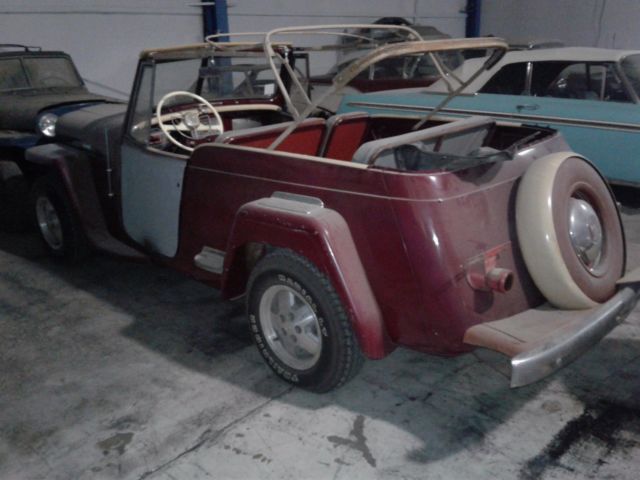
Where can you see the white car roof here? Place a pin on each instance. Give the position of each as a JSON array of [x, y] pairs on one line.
[[567, 53], [537, 55]]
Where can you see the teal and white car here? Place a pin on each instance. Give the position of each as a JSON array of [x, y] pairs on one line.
[[591, 95]]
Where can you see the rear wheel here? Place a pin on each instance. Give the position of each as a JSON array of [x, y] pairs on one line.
[[570, 231], [56, 221], [299, 323]]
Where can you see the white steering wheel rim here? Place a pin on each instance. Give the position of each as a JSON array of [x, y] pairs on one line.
[[165, 130]]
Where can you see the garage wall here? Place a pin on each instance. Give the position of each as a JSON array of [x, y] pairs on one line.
[[259, 15], [602, 23], [105, 37]]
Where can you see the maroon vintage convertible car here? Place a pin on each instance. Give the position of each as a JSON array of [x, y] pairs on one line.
[[348, 235]]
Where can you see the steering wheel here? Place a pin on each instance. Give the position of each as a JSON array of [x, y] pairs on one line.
[[188, 122]]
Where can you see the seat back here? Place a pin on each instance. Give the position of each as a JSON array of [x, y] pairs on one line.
[[344, 135], [305, 139], [459, 137]]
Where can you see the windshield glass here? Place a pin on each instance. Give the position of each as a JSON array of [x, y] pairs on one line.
[[631, 69], [51, 72], [216, 78], [12, 75], [243, 77], [404, 67], [37, 72]]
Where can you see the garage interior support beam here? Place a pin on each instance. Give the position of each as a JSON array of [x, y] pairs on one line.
[[472, 28], [215, 18]]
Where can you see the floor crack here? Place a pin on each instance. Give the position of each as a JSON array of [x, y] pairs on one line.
[[209, 436]]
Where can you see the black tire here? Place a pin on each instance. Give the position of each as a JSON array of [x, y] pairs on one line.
[[14, 199], [283, 272], [62, 234]]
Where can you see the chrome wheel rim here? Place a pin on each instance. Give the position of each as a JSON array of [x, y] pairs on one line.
[[585, 232], [49, 222], [290, 327]]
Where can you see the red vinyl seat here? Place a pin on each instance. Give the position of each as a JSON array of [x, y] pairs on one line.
[[345, 133], [305, 139]]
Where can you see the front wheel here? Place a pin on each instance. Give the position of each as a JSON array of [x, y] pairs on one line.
[[299, 323], [56, 220]]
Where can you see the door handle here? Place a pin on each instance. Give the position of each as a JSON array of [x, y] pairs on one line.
[[530, 106]]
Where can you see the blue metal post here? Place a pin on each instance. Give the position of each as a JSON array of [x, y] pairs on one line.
[[215, 18], [473, 18]]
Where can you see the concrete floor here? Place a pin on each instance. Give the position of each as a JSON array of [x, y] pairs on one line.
[[121, 370]]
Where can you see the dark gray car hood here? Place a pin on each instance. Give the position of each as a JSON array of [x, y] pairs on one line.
[[89, 124], [18, 111]]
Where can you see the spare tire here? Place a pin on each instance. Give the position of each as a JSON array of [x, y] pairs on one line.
[[569, 231]]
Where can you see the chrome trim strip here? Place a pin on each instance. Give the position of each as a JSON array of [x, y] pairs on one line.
[[296, 197], [573, 122], [108, 158], [528, 77], [293, 204], [531, 366]]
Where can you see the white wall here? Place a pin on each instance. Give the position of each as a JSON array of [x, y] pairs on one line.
[[262, 15], [602, 23], [104, 37]]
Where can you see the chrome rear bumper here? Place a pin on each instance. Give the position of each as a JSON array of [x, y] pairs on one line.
[[532, 365]]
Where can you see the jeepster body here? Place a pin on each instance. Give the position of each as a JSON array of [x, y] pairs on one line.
[[411, 223]]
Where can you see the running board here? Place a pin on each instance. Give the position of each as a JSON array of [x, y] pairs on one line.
[[210, 259]]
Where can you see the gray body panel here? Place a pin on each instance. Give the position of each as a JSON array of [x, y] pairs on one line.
[[151, 193], [88, 125]]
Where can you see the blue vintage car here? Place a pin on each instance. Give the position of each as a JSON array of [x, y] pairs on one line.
[[590, 94]]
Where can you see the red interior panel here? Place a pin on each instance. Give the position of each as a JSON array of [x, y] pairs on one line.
[[305, 139], [345, 136]]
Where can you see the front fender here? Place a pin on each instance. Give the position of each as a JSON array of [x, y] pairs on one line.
[[303, 225], [73, 168]]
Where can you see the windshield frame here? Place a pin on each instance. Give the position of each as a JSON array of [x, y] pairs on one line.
[[277, 51], [143, 104]]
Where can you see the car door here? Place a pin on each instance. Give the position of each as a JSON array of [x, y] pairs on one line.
[[151, 179], [151, 185], [586, 101]]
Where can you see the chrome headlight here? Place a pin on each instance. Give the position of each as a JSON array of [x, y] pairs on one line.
[[47, 124]]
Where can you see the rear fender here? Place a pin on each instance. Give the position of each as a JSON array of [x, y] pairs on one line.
[[303, 225]]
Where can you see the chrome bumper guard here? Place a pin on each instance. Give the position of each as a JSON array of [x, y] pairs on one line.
[[530, 366]]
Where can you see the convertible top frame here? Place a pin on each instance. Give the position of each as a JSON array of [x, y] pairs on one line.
[[277, 51], [418, 47]]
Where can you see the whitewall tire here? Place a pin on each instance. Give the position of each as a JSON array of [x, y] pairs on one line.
[[569, 231]]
